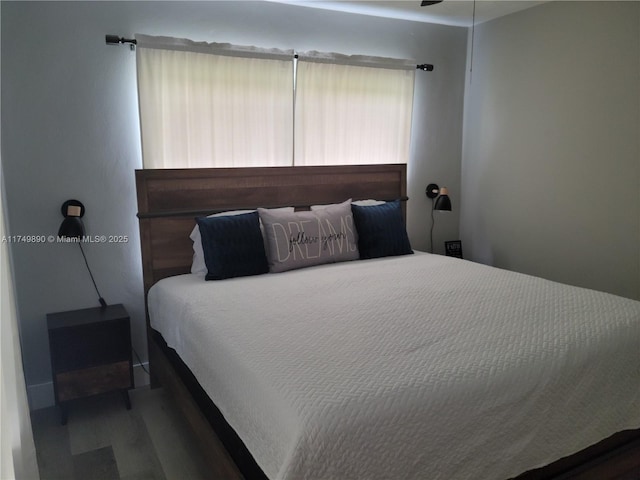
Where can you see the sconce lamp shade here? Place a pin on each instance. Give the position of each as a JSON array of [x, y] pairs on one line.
[[443, 202], [439, 201], [72, 225], [441, 196]]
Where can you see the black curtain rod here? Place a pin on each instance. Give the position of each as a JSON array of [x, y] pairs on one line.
[[427, 67], [115, 40]]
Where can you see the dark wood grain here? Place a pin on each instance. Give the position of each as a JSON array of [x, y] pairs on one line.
[[609, 459], [92, 381]]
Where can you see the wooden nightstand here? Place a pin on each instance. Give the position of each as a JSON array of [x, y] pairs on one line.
[[90, 354]]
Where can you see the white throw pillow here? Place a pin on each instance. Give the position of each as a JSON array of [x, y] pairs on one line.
[[360, 203]]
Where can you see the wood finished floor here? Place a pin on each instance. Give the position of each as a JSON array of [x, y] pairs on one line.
[[104, 441]]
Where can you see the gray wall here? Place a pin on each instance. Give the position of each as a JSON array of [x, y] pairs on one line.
[[551, 156], [70, 130]]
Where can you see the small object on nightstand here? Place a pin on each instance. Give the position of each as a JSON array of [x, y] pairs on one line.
[[453, 248], [90, 354]]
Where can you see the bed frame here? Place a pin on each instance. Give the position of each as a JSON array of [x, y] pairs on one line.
[[168, 202]]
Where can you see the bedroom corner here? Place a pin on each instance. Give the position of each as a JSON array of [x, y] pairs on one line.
[[550, 169]]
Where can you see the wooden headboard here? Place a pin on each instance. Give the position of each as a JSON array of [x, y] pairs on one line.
[[169, 200]]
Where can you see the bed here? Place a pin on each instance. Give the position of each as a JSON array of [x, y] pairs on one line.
[[408, 366]]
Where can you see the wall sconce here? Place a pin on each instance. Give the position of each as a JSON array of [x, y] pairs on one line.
[[439, 201], [72, 230], [72, 226]]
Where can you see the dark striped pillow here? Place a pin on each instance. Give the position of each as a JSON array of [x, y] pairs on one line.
[[233, 246], [381, 230]]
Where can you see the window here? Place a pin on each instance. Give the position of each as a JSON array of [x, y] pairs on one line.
[[352, 114], [207, 105], [218, 105]]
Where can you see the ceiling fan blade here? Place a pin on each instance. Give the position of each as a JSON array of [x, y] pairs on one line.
[[426, 3]]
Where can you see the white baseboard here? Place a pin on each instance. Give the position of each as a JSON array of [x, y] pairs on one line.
[[41, 395], [140, 375]]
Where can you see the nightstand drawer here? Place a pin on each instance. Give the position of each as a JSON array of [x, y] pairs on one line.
[[92, 381]]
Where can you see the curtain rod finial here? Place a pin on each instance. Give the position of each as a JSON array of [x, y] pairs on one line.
[[115, 40]]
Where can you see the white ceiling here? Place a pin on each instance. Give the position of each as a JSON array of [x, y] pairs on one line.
[[449, 12]]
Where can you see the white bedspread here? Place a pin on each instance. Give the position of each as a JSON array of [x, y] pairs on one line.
[[419, 366]]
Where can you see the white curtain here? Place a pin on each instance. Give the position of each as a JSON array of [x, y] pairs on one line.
[[352, 110], [214, 105]]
